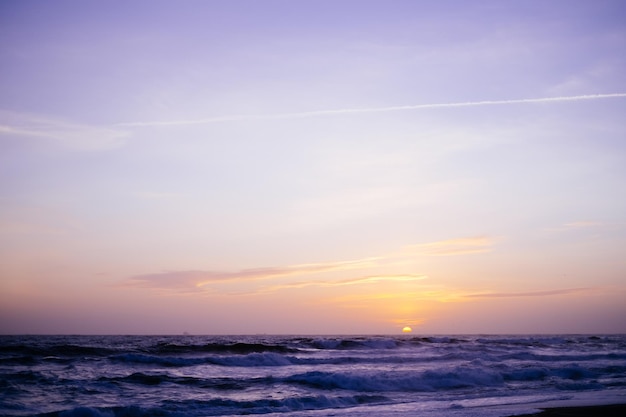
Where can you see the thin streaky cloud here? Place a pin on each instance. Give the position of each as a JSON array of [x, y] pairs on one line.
[[351, 281], [460, 246], [69, 134], [547, 293], [199, 278], [581, 224], [576, 225], [292, 270], [318, 113]]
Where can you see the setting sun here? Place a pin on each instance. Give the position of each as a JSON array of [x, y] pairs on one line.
[[406, 329]]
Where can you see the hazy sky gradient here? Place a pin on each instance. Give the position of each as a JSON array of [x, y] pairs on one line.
[[312, 166]]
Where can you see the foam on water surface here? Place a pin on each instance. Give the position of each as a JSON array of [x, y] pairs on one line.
[[307, 376]]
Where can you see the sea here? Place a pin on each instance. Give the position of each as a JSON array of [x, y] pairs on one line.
[[288, 376]]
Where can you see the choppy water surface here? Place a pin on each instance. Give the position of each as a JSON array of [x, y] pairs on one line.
[[305, 376]]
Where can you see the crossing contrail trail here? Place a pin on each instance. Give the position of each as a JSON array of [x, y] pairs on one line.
[[317, 113]]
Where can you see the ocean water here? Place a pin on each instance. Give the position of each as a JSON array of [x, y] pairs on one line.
[[306, 376]]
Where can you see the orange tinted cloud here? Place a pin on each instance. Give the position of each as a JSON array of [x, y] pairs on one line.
[[460, 246], [351, 281], [199, 280]]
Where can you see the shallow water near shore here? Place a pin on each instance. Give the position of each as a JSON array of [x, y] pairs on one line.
[[307, 375]]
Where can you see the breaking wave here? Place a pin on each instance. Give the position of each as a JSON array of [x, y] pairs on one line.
[[202, 376]]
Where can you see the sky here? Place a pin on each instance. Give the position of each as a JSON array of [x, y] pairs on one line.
[[312, 167]]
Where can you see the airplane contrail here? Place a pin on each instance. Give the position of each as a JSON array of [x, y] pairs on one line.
[[315, 113]]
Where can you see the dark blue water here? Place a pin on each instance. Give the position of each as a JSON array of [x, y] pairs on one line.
[[305, 376]]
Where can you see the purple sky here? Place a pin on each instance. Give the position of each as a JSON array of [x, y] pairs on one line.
[[312, 166]]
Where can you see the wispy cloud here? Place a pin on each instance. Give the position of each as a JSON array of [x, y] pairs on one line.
[[575, 225], [408, 321], [91, 137], [461, 246], [352, 281], [545, 293], [336, 112], [69, 134], [174, 280], [581, 224], [198, 279]]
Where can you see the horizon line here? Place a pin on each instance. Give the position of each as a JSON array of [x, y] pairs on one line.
[[374, 334], [316, 113]]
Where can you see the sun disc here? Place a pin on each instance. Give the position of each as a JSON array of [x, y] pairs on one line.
[[406, 329]]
